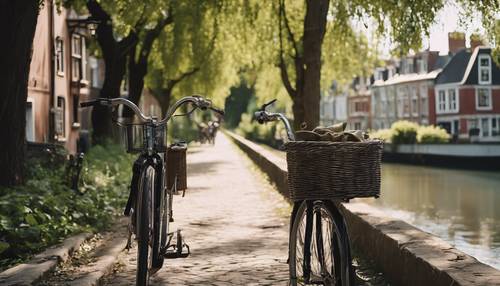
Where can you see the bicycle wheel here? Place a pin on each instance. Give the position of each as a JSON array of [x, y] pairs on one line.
[[319, 254], [161, 222], [144, 226]]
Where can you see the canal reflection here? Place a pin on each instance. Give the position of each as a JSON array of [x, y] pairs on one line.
[[462, 207]]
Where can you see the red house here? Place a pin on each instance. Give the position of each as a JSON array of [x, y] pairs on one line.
[[467, 96]]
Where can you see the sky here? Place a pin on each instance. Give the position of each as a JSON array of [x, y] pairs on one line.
[[447, 20]]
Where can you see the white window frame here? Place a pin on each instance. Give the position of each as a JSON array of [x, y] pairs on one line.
[[490, 106], [76, 57], [480, 68], [447, 100]]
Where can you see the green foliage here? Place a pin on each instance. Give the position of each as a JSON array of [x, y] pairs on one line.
[[404, 132], [45, 210], [432, 134], [236, 104], [201, 52]]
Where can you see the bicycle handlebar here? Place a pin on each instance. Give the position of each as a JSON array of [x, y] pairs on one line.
[[197, 100], [262, 116]]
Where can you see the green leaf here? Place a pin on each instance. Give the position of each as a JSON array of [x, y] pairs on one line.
[[31, 220], [3, 246]]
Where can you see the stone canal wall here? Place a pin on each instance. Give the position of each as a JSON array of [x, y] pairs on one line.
[[406, 254]]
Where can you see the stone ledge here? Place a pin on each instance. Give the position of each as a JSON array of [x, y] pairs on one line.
[[406, 254], [41, 264]]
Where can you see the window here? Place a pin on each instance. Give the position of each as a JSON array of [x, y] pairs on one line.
[[59, 121], [495, 126], [485, 127], [452, 102], [483, 98], [448, 101], [76, 57], [484, 66], [30, 122], [357, 125], [442, 101], [59, 56]]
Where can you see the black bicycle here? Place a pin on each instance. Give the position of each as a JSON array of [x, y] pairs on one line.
[[149, 205], [319, 250]]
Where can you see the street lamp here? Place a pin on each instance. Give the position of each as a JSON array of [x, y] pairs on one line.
[[85, 23]]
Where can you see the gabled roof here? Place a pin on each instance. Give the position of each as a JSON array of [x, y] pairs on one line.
[[455, 69], [463, 68]]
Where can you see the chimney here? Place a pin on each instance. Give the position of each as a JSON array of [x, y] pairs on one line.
[[475, 41], [456, 42]]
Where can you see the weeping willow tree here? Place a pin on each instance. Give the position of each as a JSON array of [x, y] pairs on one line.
[[200, 53], [308, 43]]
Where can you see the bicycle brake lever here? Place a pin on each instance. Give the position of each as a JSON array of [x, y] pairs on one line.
[[265, 105]]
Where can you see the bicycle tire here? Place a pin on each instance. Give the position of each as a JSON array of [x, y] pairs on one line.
[[144, 215], [161, 223], [328, 243]]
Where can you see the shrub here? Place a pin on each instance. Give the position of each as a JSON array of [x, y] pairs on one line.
[[382, 134], [432, 134], [45, 210], [404, 132]]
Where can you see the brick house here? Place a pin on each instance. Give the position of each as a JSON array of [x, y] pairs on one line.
[[467, 96], [359, 104], [58, 79]]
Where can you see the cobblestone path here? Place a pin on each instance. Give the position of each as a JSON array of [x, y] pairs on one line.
[[235, 225]]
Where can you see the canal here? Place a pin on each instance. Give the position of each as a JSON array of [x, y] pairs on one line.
[[462, 207]]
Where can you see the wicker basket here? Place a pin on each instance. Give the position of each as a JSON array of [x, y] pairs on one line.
[[333, 170], [176, 166]]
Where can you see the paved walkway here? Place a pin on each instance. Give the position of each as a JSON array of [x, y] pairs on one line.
[[234, 223]]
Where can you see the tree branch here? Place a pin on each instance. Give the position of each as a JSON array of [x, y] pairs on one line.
[[288, 29], [172, 82], [282, 65]]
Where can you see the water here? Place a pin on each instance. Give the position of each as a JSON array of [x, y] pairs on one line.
[[461, 207]]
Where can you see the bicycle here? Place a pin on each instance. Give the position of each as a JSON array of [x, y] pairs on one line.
[[149, 205], [319, 250]]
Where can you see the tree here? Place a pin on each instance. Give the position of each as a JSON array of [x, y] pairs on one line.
[[304, 28], [17, 18], [198, 53], [125, 33]]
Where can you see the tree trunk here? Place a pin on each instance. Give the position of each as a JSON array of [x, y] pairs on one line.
[[310, 93], [137, 71], [18, 24], [115, 60]]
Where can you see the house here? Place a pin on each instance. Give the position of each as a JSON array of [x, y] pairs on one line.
[[467, 96], [58, 78], [359, 104], [402, 92], [333, 106]]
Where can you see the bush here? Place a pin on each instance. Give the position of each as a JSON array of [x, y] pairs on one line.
[[45, 210], [432, 134], [382, 134], [404, 132]]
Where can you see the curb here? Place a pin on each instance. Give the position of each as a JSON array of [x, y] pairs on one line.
[[406, 254], [37, 268], [107, 256]]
